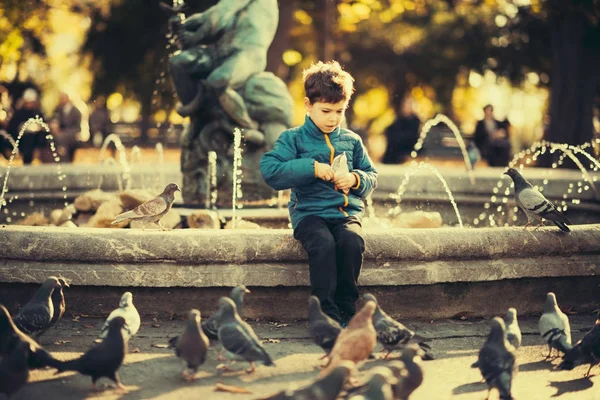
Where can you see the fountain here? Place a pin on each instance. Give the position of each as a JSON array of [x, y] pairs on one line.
[[116, 140], [237, 175]]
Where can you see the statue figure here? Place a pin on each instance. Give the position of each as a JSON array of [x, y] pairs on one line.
[[220, 79]]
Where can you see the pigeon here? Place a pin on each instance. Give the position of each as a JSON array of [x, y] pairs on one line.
[[58, 301], [497, 360], [408, 371], [191, 346], [11, 338], [36, 315], [13, 370], [554, 326], [326, 388], [323, 329], [587, 350], [513, 332], [128, 312], [377, 387], [534, 204], [152, 210], [392, 334], [357, 341], [210, 325], [104, 359], [238, 338]]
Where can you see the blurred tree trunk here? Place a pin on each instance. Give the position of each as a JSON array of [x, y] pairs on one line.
[[325, 18], [574, 80], [281, 42]]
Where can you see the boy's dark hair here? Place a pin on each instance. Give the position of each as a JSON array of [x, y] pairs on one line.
[[327, 83]]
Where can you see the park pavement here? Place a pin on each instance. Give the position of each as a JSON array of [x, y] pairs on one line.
[[151, 371]]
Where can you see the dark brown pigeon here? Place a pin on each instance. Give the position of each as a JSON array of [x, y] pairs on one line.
[[586, 351], [326, 388], [13, 370], [392, 334], [323, 329], [11, 337], [191, 346], [408, 371], [35, 316], [152, 210], [104, 359], [497, 360]]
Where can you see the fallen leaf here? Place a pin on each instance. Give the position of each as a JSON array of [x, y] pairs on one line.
[[136, 350], [156, 325], [76, 318], [87, 326], [221, 387], [59, 342], [271, 341], [281, 325], [160, 346]]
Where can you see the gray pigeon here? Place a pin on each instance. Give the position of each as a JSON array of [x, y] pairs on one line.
[[377, 387], [497, 360], [152, 210], [408, 371], [554, 327], [587, 350], [513, 332], [210, 325], [323, 329], [392, 334], [238, 338], [534, 204], [11, 337], [192, 345], [13, 370], [326, 388], [35, 316], [129, 313]]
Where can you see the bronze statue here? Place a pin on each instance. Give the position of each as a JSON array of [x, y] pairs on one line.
[[220, 79]]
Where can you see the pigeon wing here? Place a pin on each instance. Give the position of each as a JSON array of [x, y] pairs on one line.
[[33, 318], [391, 333], [152, 207], [324, 333], [237, 341]]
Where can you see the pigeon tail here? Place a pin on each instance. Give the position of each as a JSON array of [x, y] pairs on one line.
[[123, 217], [41, 359], [71, 365], [571, 358], [563, 227], [475, 364], [560, 343]]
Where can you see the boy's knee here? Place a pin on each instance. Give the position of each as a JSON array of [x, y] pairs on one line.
[[351, 240], [321, 241]]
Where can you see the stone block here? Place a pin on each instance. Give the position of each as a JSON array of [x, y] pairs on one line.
[[204, 219], [418, 219]]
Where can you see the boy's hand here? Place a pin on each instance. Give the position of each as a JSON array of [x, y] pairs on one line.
[[324, 171], [345, 181]]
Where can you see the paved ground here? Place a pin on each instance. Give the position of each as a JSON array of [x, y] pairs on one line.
[[153, 372]]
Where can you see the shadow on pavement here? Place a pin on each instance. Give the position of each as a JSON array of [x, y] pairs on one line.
[[470, 388], [536, 366], [575, 385]]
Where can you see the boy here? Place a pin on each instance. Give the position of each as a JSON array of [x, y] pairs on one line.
[[325, 219]]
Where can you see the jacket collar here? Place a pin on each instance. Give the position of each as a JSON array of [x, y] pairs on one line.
[[312, 129]]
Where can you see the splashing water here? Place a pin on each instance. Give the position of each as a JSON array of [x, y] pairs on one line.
[[530, 155], [237, 173], [114, 138], [211, 182], [40, 122], [461, 143], [112, 162], [370, 208], [160, 152], [414, 167]]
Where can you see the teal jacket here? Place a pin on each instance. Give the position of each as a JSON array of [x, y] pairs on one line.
[[291, 165]]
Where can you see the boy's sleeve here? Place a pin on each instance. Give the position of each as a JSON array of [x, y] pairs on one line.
[[363, 169], [280, 167]]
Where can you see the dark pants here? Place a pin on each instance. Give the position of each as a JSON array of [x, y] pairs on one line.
[[335, 254]]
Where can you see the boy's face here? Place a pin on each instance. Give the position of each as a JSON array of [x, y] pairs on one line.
[[326, 116]]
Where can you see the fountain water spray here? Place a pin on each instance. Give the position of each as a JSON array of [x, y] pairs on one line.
[[211, 181], [112, 162], [414, 167], [237, 173], [114, 138], [461, 143], [40, 122]]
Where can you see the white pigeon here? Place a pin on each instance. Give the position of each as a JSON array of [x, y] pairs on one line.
[[513, 332], [534, 204], [554, 326], [128, 311]]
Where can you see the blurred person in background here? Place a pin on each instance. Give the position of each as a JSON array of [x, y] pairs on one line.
[[69, 127], [492, 138], [100, 123], [28, 106], [402, 134]]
